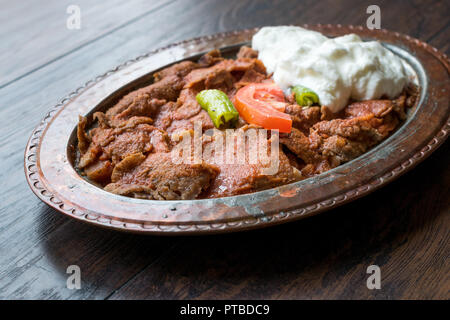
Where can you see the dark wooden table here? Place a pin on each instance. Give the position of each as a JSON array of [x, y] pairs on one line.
[[403, 228]]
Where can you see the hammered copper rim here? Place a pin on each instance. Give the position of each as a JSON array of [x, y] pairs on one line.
[[48, 168]]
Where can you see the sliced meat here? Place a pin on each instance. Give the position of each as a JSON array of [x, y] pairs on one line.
[[126, 166], [163, 118], [102, 120], [118, 143], [83, 139], [210, 58], [243, 174], [133, 122], [378, 108], [221, 80], [224, 74], [331, 143], [381, 108], [179, 69], [250, 76], [340, 150], [300, 144], [90, 156], [160, 141], [135, 135], [99, 171], [295, 161], [160, 179], [217, 75], [203, 119], [326, 114], [168, 88], [141, 106], [358, 129], [247, 52], [186, 113], [130, 149], [187, 105], [303, 118], [244, 64]]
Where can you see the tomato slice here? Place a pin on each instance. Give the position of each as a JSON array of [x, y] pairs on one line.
[[263, 104], [269, 93]]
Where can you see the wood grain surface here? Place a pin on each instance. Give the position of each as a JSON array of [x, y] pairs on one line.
[[403, 228]]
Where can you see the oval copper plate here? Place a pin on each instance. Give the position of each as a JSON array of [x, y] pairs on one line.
[[52, 177]]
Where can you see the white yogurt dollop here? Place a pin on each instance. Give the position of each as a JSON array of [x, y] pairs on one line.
[[335, 69]]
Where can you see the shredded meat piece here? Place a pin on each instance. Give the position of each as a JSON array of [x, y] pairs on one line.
[[187, 105], [250, 76], [126, 165], [99, 171], [340, 150], [211, 58], [223, 74], [326, 144], [307, 150], [83, 139], [117, 143], [303, 118], [186, 112], [247, 52], [113, 144], [160, 141], [241, 175], [217, 75], [359, 128], [168, 88], [295, 161], [179, 70], [379, 108], [141, 106], [90, 156]]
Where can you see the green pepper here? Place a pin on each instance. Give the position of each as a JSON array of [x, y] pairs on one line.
[[305, 96], [220, 109]]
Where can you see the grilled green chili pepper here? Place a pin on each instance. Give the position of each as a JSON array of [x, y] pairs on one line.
[[305, 96], [220, 109]]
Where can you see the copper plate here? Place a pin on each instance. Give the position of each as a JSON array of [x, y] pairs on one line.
[[49, 153]]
